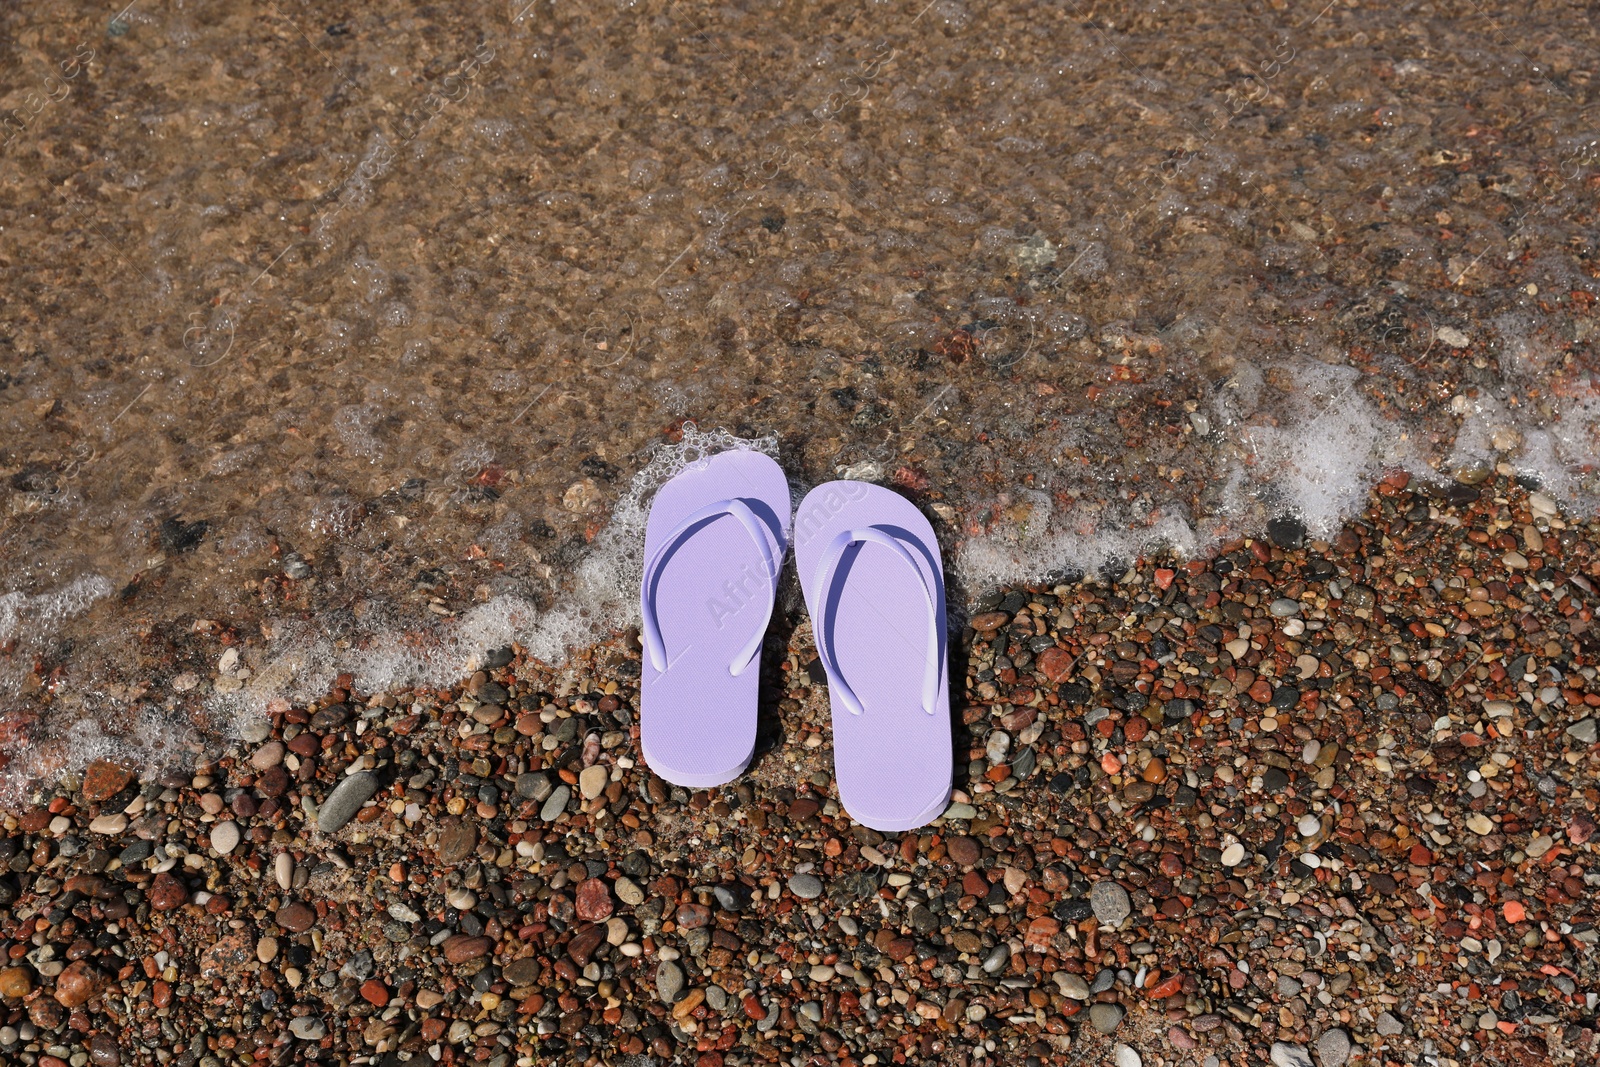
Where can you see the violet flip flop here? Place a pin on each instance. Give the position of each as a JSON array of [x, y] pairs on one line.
[[873, 581], [716, 539]]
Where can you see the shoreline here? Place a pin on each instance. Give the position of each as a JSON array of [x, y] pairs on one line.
[[1365, 797]]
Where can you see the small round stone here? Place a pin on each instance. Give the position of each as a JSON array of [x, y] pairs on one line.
[[307, 1028], [457, 840], [669, 981], [283, 870], [533, 785], [805, 886], [225, 837], [1233, 855], [1072, 986], [1110, 903], [963, 850], [592, 781], [267, 756], [109, 825], [1333, 1048], [104, 1051], [1105, 1017], [555, 804], [16, 982]]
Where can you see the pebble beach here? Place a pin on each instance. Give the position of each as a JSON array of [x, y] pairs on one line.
[[1304, 803], [1241, 356]]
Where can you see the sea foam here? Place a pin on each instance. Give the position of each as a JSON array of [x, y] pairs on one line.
[[385, 650]]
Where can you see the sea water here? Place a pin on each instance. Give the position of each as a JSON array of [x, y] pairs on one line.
[[366, 357]]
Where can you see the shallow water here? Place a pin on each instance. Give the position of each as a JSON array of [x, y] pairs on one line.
[[315, 336]]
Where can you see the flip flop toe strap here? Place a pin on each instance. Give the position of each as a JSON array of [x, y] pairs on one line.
[[827, 575], [654, 644]]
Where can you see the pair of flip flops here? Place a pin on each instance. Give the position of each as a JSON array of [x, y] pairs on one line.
[[872, 577]]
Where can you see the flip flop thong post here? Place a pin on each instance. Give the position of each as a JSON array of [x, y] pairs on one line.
[[874, 584], [715, 541]]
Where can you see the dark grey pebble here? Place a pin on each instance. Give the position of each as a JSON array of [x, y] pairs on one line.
[[556, 804], [345, 800], [1287, 532], [533, 785], [734, 897]]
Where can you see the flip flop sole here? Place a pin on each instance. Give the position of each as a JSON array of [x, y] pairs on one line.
[[872, 576], [711, 594]]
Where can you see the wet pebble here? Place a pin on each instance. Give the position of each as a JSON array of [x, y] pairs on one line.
[[669, 981], [555, 804], [1072, 986], [962, 850], [267, 756], [225, 837], [533, 785], [1105, 1017], [805, 886], [1110, 903], [592, 781], [1287, 1055], [997, 747], [457, 840], [345, 800], [1333, 1048], [283, 870]]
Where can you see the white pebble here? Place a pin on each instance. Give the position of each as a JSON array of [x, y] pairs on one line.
[[225, 837], [283, 870]]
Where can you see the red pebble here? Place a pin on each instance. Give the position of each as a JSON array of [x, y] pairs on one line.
[[1171, 987], [594, 900]]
